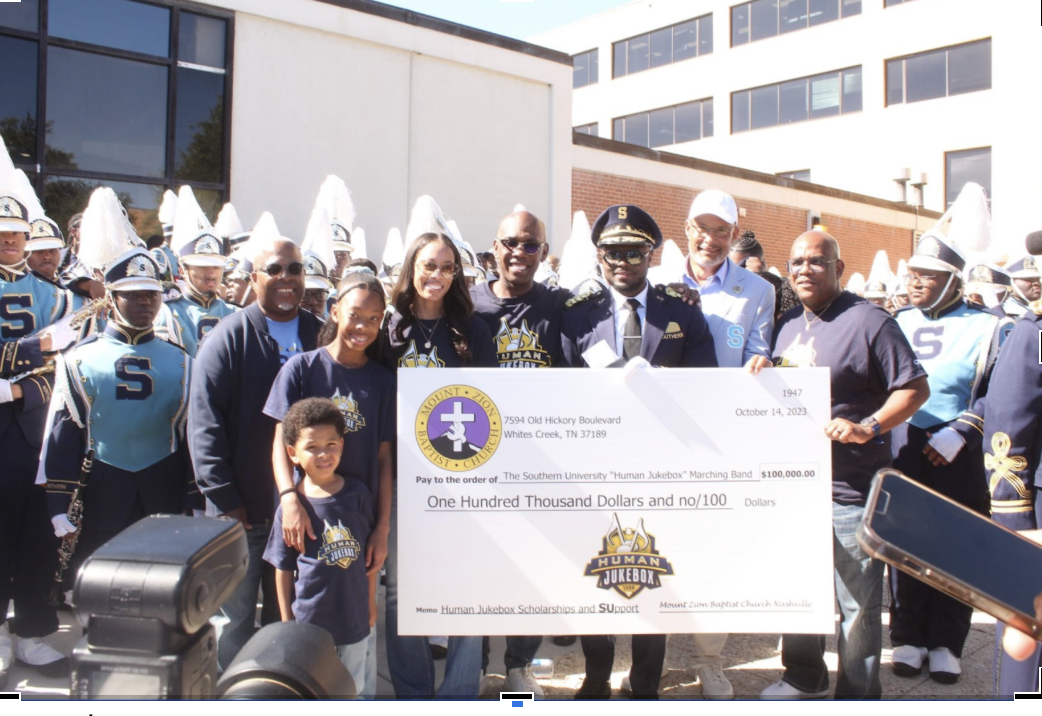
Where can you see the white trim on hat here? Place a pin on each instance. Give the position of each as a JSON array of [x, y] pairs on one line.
[[217, 260], [10, 223], [135, 283], [43, 244]]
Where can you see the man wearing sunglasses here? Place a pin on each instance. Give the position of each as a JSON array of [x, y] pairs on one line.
[[229, 432], [632, 319]]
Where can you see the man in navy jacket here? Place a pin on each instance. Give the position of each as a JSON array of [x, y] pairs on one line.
[[229, 434]]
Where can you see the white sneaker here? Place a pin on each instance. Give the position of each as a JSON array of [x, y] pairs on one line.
[[944, 666], [38, 654], [908, 660], [781, 691], [715, 686], [521, 679]]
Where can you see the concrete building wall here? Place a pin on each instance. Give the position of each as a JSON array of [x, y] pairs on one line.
[[397, 110], [860, 152], [776, 210]]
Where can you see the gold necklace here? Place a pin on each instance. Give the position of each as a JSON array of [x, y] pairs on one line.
[[818, 315], [423, 331]]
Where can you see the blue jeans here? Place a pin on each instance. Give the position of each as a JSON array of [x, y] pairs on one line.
[[238, 615], [360, 661], [409, 657], [859, 591]]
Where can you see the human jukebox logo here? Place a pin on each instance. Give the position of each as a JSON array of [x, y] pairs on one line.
[[628, 561], [458, 428]]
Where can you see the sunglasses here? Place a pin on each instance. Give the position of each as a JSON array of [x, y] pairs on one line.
[[631, 256], [429, 268], [295, 268], [529, 247]]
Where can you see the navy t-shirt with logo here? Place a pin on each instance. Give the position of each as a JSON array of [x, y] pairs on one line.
[[366, 396], [331, 589], [869, 358], [412, 352], [526, 330]]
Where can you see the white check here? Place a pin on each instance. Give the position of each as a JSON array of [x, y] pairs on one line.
[[585, 502]]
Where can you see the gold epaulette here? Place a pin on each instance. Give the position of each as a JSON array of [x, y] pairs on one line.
[[1036, 307], [584, 296]]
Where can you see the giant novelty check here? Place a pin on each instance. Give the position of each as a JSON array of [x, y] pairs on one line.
[[601, 502]]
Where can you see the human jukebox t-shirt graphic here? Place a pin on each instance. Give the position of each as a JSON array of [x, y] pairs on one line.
[[458, 428], [628, 561], [519, 347]]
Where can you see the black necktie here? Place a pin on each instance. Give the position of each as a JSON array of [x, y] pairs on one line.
[[631, 331]]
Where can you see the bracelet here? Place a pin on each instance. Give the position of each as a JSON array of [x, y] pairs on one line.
[[287, 491]]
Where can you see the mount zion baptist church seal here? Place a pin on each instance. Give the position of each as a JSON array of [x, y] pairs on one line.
[[458, 428]]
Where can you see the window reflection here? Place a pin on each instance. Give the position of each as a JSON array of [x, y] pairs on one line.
[[24, 15], [201, 40], [18, 107], [797, 100], [962, 167], [106, 114], [65, 196], [199, 148], [122, 24]]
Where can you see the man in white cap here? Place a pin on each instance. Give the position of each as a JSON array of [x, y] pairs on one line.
[[1027, 285], [739, 307]]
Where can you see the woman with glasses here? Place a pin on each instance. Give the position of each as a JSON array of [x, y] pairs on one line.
[[433, 327]]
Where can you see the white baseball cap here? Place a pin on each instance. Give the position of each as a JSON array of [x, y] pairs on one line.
[[715, 202]]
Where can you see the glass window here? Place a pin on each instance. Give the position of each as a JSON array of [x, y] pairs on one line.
[[618, 129], [18, 101], [824, 95], [201, 40], [895, 82], [793, 101], [801, 175], [962, 167], [106, 114], [619, 59], [740, 112], [689, 122], [637, 54], [24, 15], [852, 90], [122, 24], [764, 19], [594, 66], [891, 3], [590, 129], [707, 118], [685, 40], [637, 129], [793, 15], [581, 70], [705, 35], [851, 8], [210, 201], [823, 11], [739, 25], [764, 102], [926, 76], [662, 47], [65, 196], [969, 68], [661, 127], [199, 132]]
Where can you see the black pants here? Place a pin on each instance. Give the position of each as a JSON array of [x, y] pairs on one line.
[[28, 547], [649, 653], [519, 653]]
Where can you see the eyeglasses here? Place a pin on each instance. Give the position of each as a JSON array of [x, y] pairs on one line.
[[816, 264], [429, 268], [529, 247], [922, 279], [631, 256], [721, 232], [294, 268]]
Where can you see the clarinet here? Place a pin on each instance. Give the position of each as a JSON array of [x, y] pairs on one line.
[[68, 545]]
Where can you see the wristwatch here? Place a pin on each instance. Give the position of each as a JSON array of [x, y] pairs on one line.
[[871, 422]]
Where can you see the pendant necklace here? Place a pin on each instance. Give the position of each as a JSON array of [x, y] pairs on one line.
[[423, 331], [818, 315]]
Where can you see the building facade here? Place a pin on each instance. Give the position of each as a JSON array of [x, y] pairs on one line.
[[900, 100], [256, 101]]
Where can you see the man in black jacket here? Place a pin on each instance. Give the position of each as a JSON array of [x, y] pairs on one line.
[[229, 433]]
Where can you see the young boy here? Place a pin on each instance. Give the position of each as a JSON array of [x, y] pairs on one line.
[[331, 586]]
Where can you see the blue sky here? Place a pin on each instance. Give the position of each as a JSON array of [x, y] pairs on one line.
[[512, 18]]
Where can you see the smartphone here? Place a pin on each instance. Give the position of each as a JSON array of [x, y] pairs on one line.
[[953, 549]]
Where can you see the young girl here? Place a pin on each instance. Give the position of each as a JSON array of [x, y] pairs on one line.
[[363, 390], [434, 327]]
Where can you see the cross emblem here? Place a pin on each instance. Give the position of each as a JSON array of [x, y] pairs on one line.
[[1005, 466], [458, 432]]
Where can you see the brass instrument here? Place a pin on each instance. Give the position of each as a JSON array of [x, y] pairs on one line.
[[68, 545], [75, 320]]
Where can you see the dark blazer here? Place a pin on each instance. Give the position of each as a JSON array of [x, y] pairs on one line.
[[229, 435], [590, 320]]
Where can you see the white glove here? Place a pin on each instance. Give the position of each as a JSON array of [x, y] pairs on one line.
[[62, 335], [62, 526], [947, 443], [5, 391]]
